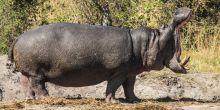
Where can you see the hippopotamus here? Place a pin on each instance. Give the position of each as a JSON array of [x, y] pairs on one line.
[[76, 55]]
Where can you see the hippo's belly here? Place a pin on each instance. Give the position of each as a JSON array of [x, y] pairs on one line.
[[80, 78]]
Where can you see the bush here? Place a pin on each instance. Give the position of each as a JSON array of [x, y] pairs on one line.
[[17, 16]]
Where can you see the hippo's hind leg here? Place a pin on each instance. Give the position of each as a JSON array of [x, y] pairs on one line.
[[38, 85], [34, 84], [128, 87], [26, 86]]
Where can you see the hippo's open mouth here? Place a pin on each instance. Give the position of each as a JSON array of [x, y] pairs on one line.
[[178, 43]]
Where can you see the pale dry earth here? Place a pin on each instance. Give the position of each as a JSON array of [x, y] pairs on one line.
[[193, 91]]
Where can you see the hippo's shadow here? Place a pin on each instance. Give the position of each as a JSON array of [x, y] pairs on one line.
[[123, 100], [168, 99]]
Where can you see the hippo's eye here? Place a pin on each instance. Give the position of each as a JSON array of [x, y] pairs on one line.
[[177, 12]]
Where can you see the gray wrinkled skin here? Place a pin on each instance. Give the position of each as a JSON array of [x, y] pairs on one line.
[[76, 55]]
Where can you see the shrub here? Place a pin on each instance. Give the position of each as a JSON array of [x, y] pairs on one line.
[[17, 16]]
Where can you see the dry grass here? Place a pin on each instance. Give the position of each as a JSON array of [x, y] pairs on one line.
[[51, 103], [204, 60]]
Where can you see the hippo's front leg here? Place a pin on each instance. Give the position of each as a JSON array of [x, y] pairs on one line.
[[112, 86], [128, 87]]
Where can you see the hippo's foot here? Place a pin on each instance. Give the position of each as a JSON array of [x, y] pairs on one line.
[[40, 95], [133, 100], [29, 98], [111, 99], [32, 96]]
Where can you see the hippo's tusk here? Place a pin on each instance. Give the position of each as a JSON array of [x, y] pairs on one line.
[[185, 61]]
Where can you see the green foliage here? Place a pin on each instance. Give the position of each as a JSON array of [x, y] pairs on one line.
[[203, 31], [16, 16]]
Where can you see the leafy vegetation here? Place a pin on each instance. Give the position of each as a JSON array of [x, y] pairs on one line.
[[201, 33]]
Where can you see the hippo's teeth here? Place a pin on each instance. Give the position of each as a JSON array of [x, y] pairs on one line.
[[185, 61], [186, 68]]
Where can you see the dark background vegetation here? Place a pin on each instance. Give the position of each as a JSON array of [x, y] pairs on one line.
[[201, 33]]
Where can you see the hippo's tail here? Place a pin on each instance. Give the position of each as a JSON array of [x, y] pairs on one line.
[[10, 63]]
